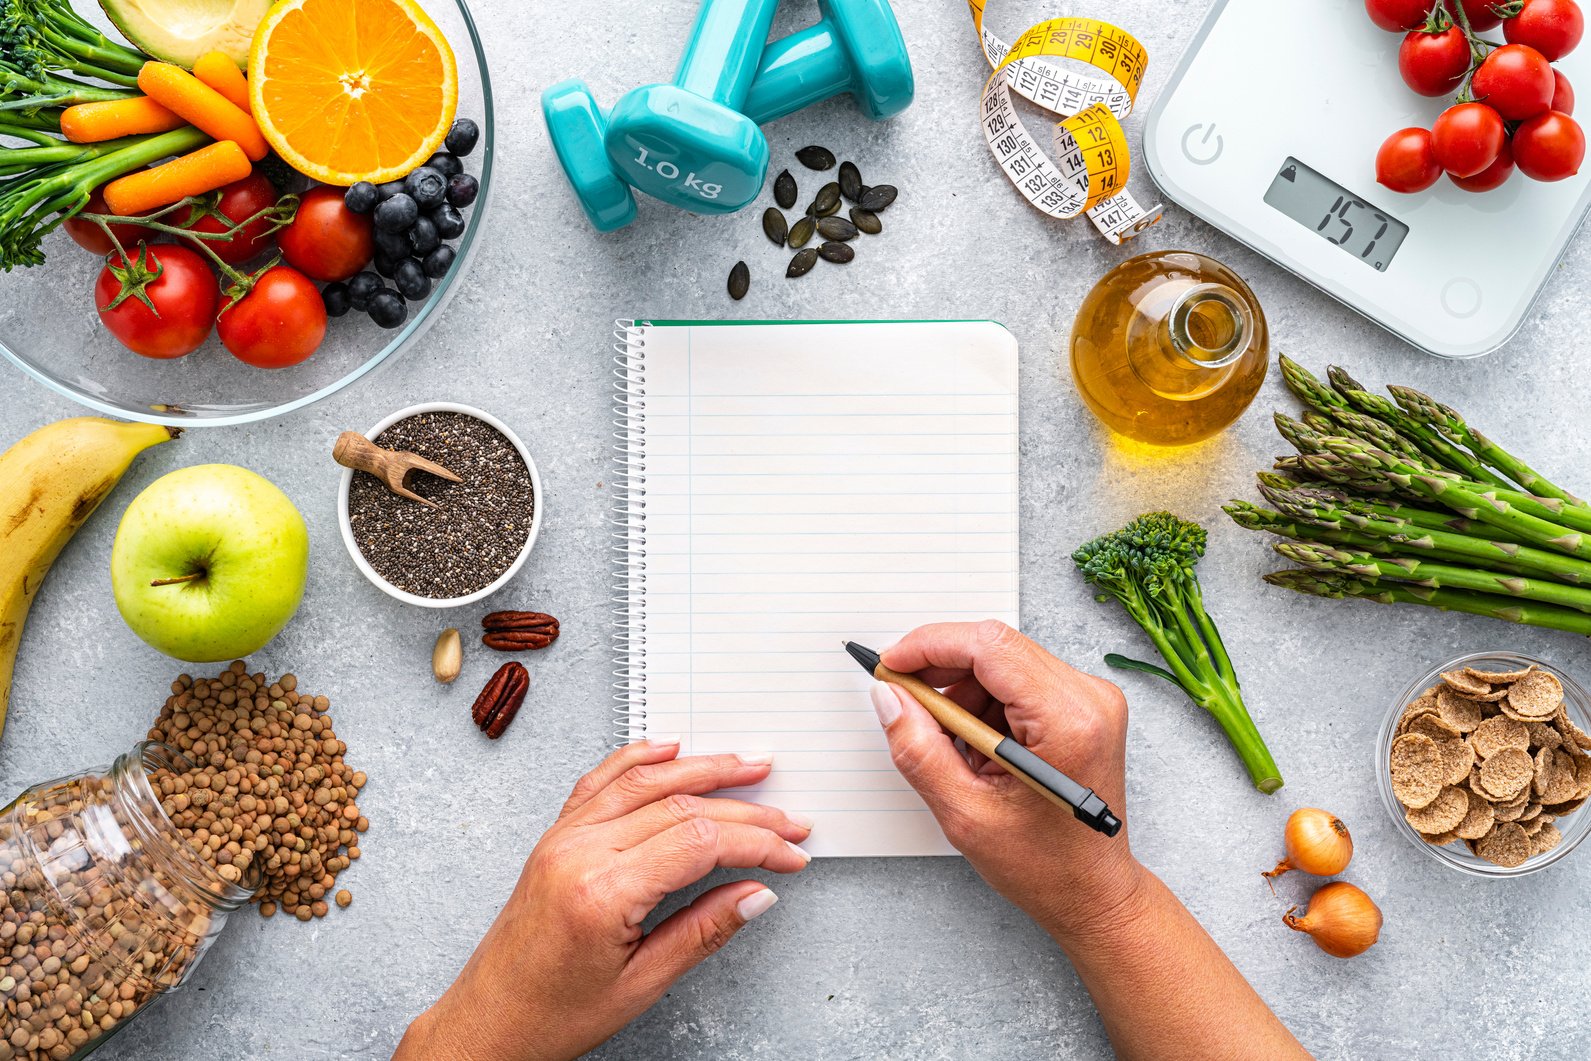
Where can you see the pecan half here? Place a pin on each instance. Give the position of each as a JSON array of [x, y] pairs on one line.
[[518, 631], [500, 701]]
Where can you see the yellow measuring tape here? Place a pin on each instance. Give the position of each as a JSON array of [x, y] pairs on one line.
[[1093, 159]]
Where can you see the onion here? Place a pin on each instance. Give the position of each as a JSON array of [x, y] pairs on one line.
[[1317, 842], [1341, 919]]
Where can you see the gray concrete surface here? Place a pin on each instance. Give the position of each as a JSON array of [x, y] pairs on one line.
[[909, 958]]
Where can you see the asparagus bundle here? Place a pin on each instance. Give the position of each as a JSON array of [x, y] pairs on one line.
[[1400, 501]]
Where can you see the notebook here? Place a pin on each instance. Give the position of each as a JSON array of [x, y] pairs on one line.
[[786, 486]]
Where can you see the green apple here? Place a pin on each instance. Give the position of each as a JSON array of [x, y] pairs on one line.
[[209, 563]]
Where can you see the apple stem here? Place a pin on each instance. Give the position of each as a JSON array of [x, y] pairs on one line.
[[178, 580]]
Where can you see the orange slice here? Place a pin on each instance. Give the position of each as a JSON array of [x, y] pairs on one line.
[[352, 90]]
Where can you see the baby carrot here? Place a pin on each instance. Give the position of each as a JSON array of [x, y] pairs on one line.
[[222, 74], [193, 174], [90, 123], [179, 91]]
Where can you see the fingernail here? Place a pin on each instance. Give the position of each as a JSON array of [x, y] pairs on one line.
[[886, 703], [798, 849], [756, 903], [800, 820], [757, 759], [664, 740]]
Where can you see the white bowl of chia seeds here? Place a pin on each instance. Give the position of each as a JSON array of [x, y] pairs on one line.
[[474, 536]]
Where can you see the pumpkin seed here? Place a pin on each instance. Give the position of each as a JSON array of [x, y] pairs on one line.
[[850, 181], [739, 281], [827, 201], [774, 226], [837, 229], [838, 253], [802, 263], [877, 198], [866, 221], [815, 157], [784, 189], [801, 232]]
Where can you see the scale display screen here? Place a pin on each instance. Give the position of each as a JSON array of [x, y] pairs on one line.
[[1336, 214]]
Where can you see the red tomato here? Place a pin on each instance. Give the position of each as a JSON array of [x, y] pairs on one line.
[[1467, 138], [237, 202], [1407, 161], [1493, 176], [1549, 147], [1516, 81], [1552, 27], [92, 238], [1562, 93], [1479, 12], [178, 285], [327, 240], [1433, 64], [1397, 16], [280, 322]]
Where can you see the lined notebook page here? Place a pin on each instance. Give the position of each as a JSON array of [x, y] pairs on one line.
[[804, 485]]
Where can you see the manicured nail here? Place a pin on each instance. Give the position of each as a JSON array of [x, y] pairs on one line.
[[798, 849], [886, 703], [664, 740], [757, 759], [759, 902], [799, 820]]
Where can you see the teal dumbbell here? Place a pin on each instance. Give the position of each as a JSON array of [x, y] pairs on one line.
[[855, 47]]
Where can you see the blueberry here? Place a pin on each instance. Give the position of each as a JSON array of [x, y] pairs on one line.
[[395, 244], [422, 237], [462, 190], [445, 164], [397, 214], [387, 309], [461, 138], [388, 190], [361, 198], [360, 288], [426, 187], [412, 282], [448, 221], [387, 264], [336, 298], [439, 261]]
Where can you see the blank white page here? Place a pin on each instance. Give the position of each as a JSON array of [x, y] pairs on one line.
[[808, 484]]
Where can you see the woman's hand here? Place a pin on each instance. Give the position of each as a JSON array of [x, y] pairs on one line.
[[566, 964], [1062, 873]]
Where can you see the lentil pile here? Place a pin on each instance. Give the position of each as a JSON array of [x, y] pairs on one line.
[[269, 793], [478, 527]]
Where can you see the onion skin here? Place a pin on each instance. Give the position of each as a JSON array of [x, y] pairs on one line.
[[1341, 919], [1317, 842]]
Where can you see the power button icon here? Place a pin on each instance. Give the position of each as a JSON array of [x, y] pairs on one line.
[[1201, 144]]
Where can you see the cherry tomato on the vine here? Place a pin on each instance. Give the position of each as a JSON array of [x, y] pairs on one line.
[[1549, 147], [1479, 13], [1467, 138], [1493, 176], [92, 238], [280, 322], [1552, 27], [1562, 93], [1516, 81], [160, 304], [1407, 162], [328, 241], [1433, 64], [1397, 16], [235, 203]]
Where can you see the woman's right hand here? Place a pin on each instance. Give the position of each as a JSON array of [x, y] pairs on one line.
[[1062, 873]]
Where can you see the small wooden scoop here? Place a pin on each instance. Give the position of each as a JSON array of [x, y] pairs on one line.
[[392, 467]]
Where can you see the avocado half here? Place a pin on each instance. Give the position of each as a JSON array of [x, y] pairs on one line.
[[180, 31]]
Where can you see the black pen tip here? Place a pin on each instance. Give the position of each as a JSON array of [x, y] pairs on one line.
[[866, 657]]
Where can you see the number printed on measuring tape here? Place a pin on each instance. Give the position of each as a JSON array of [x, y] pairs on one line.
[[1092, 159]]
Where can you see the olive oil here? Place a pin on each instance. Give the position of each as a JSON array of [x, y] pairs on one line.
[[1169, 348]]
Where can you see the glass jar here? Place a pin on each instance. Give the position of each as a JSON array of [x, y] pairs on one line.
[[104, 906], [1169, 348]]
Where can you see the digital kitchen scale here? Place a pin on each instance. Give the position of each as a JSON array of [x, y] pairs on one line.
[[1268, 130]]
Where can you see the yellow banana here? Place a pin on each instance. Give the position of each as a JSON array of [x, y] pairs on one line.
[[50, 483]]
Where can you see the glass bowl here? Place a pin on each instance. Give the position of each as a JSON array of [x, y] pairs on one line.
[[49, 329], [1574, 826]]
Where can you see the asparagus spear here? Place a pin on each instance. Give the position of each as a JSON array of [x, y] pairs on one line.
[[1432, 574], [1428, 440], [1342, 587], [1328, 407], [1445, 419], [1355, 510]]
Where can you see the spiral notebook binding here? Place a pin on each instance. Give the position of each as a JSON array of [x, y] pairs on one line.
[[629, 536]]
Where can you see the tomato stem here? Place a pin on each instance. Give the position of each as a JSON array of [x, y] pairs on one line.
[[280, 215]]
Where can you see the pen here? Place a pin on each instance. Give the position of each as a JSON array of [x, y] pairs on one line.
[[1037, 774]]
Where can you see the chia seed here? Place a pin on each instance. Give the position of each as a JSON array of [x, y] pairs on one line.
[[478, 527]]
